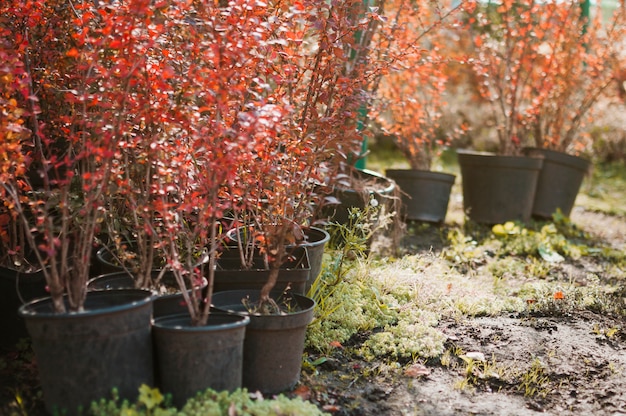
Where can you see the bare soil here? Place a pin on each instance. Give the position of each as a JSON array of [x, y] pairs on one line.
[[550, 364]]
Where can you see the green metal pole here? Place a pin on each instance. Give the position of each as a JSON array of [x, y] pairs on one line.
[[362, 115], [584, 13]]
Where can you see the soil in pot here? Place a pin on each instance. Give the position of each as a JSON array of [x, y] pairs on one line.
[[273, 344]]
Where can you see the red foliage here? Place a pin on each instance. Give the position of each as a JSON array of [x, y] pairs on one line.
[[542, 66]]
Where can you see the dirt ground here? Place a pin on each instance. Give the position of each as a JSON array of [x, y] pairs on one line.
[[570, 360]]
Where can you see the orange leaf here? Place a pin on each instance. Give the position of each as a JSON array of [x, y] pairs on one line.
[[303, 392], [335, 344], [72, 53]]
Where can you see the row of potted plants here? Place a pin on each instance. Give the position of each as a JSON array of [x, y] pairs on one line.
[[152, 129], [538, 68]]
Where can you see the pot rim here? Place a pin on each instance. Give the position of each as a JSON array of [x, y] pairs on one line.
[[42, 308]]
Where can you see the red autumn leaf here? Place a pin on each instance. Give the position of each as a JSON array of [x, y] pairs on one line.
[[303, 392], [72, 53]]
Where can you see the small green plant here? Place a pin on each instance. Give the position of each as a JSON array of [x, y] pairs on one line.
[[534, 381], [462, 249], [608, 332], [477, 371], [151, 402], [345, 303], [243, 403]]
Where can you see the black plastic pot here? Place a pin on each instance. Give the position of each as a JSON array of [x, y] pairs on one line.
[[194, 358], [425, 194], [367, 185], [105, 262], [274, 344], [559, 181], [315, 242], [498, 188], [16, 289], [164, 304], [81, 357], [230, 276]]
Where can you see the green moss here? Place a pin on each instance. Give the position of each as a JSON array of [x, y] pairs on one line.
[[242, 403], [404, 340], [353, 306], [209, 403]]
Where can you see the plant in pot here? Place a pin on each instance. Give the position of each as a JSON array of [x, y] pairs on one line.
[[343, 73], [499, 187], [21, 278], [410, 98], [55, 175], [297, 149], [392, 43], [221, 109], [540, 66], [578, 69]]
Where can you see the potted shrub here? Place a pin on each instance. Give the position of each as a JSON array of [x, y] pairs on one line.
[[411, 96], [298, 148], [539, 87], [579, 69], [56, 171], [500, 187], [200, 182]]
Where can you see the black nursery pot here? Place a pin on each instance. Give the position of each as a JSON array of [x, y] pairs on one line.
[[274, 344], [559, 181], [314, 243], [163, 304], [229, 275], [369, 185], [498, 188], [193, 358], [16, 289], [425, 194], [82, 356]]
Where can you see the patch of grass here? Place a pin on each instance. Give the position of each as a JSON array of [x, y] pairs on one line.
[[605, 189], [559, 298], [534, 382]]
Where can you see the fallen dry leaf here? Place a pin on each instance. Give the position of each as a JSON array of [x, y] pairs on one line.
[[303, 392], [331, 408], [335, 344], [417, 370]]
